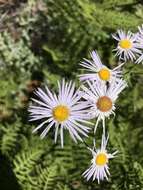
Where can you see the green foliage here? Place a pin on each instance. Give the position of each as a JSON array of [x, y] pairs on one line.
[[24, 59], [9, 138], [24, 163], [43, 41]]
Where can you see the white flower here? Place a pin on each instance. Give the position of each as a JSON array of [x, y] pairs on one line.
[[101, 99], [99, 164], [98, 71], [64, 111], [128, 47], [140, 35], [140, 41]]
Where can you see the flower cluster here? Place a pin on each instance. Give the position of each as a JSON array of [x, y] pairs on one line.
[[74, 109], [100, 89]]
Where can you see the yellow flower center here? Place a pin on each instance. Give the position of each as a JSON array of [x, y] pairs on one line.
[[125, 44], [104, 104], [61, 113], [104, 74], [101, 159]]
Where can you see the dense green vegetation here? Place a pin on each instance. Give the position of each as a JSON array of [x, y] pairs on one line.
[[43, 41]]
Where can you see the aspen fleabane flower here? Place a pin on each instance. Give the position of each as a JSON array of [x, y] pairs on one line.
[[140, 41], [128, 47], [99, 164], [101, 99], [64, 111], [98, 71]]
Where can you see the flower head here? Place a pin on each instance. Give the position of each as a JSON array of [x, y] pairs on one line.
[[99, 164], [128, 47], [101, 99], [99, 72], [62, 111], [140, 41]]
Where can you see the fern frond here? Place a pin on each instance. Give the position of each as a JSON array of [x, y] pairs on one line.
[[8, 142], [25, 162]]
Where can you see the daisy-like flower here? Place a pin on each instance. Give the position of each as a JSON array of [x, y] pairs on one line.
[[99, 164], [99, 72], [128, 47], [101, 99], [140, 41], [62, 111]]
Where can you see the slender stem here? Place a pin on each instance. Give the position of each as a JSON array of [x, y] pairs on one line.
[[103, 121]]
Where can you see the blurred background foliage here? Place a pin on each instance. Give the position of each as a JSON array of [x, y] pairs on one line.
[[41, 42]]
